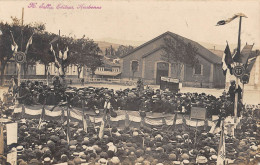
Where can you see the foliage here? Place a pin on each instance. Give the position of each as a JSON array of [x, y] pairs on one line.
[[21, 35], [94, 61], [80, 52], [123, 50], [85, 51]]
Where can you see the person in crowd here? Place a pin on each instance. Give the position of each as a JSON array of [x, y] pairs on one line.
[[56, 82], [82, 81], [24, 95], [232, 91]]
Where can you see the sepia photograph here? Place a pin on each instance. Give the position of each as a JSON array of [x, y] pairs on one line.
[[127, 82]]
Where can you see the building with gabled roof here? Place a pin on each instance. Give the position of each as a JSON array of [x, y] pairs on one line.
[[151, 67]]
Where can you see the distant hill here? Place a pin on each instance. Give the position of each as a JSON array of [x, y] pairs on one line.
[[103, 45]]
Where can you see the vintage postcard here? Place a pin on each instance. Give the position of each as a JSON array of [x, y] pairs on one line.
[[148, 82]]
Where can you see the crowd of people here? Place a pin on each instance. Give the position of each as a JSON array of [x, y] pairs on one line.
[[131, 146], [49, 143], [136, 99]]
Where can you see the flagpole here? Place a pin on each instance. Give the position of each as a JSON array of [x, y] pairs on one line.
[[238, 54], [1, 139]]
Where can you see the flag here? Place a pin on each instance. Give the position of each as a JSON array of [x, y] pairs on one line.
[[14, 46], [223, 22], [101, 130], [28, 44], [68, 125], [51, 49], [127, 121], [42, 117], [227, 60], [60, 55], [56, 63], [85, 125], [65, 54], [56, 38], [221, 149]]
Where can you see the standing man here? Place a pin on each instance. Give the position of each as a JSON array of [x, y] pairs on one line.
[[107, 105], [232, 91], [82, 81]]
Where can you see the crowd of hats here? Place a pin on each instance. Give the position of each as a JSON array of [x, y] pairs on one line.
[[48, 144], [127, 99]]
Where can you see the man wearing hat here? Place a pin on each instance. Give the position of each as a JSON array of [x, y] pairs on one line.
[[24, 96], [232, 91]]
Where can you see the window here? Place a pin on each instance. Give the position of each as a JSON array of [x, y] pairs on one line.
[[115, 69], [100, 69], [198, 69], [134, 66]]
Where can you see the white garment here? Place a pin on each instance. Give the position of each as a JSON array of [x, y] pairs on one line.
[[107, 105]]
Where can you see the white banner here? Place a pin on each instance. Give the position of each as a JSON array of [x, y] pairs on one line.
[[134, 118], [11, 133], [12, 158], [118, 118], [52, 113], [33, 112]]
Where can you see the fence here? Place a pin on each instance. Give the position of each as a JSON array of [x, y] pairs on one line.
[[86, 80]]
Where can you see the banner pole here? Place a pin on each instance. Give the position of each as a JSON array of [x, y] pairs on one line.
[[1, 139], [196, 133], [236, 100]]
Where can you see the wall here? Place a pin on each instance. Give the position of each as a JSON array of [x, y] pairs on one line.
[[137, 55], [195, 80]]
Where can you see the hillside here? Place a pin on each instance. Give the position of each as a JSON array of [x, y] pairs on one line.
[[103, 45]]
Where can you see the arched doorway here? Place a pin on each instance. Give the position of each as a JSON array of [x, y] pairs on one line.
[[162, 71]]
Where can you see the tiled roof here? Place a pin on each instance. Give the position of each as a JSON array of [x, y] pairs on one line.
[[202, 51]]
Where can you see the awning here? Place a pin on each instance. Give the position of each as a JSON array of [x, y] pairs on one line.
[[107, 73]]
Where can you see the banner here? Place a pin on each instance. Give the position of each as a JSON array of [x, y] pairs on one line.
[[12, 158], [11, 130], [198, 113], [152, 119]]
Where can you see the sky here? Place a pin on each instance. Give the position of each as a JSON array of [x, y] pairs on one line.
[[141, 21]]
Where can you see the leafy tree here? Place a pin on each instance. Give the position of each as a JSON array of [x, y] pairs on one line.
[[94, 61], [14, 32], [110, 51], [177, 52], [122, 50], [84, 52], [41, 48]]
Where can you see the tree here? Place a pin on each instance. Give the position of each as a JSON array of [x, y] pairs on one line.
[[83, 50], [122, 50], [176, 51], [94, 61], [41, 49], [14, 33]]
